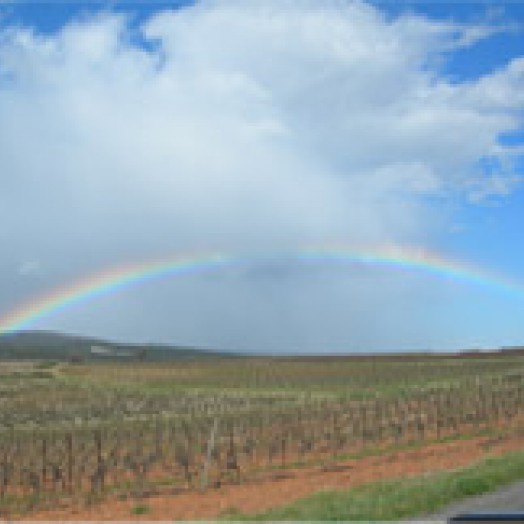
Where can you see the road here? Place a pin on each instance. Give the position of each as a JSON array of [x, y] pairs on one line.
[[509, 499]]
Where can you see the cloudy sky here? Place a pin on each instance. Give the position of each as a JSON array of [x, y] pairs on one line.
[[135, 131]]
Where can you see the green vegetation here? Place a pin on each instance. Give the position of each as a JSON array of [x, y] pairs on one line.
[[400, 499], [46, 364], [140, 509], [90, 430]]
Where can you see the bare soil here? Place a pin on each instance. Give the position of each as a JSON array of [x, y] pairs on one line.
[[282, 487]]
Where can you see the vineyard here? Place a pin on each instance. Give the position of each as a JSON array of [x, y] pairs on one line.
[[78, 433]]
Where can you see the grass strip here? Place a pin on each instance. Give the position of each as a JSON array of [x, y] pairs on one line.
[[399, 499]]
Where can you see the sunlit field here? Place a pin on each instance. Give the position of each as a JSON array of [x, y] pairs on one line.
[[76, 434]]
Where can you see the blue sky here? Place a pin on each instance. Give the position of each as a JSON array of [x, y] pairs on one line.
[[178, 127]]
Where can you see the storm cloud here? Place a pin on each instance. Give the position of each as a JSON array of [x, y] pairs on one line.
[[245, 127]]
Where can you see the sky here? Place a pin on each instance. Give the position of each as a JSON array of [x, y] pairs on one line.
[[134, 131]]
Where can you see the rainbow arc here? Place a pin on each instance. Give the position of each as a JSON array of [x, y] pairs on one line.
[[115, 279]]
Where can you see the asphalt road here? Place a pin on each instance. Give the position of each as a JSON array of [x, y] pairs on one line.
[[509, 499]]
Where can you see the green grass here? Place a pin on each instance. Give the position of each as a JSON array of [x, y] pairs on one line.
[[399, 499], [140, 509]]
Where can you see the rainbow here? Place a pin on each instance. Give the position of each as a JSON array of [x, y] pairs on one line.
[[113, 280]]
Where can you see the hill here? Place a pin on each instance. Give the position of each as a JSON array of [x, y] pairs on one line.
[[50, 345]]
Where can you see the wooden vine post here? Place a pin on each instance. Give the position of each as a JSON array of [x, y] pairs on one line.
[[69, 446], [209, 455]]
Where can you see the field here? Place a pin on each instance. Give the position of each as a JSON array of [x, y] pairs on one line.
[[78, 435]]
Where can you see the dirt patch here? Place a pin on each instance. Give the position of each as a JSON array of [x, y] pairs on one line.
[[269, 492]]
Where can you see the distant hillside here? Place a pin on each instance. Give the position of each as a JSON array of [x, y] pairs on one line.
[[49, 345]]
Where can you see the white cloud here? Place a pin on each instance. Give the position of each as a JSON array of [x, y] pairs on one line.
[[495, 186], [247, 125]]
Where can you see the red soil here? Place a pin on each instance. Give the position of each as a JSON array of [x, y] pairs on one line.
[[271, 491]]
